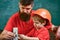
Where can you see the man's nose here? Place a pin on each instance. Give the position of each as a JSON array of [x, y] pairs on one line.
[[26, 11]]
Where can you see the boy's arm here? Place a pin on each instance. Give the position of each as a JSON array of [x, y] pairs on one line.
[[23, 37]]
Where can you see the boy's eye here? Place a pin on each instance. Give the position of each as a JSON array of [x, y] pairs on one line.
[[41, 20], [36, 22]]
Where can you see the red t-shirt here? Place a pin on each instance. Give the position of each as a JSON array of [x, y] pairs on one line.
[[42, 33], [25, 28], [15, 21]]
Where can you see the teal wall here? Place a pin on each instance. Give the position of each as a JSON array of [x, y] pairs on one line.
[[9, 7]]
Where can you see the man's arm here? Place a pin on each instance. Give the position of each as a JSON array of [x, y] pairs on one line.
[[6, 35], [23, 37]]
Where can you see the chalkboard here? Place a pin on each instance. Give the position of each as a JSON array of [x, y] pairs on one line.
[[53, 6], [9, 7]]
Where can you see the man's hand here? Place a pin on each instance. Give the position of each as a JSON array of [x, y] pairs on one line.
[[58, 33], [6, 35]]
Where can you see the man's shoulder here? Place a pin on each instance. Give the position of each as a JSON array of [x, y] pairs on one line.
[[33, 11], [15, 15]]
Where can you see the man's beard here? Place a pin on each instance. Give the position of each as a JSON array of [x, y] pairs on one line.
[[25, 16]]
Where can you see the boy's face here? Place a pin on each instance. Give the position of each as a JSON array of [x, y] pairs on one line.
[[38, 22]]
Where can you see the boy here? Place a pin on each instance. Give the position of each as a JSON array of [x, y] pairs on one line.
[[42, 20]]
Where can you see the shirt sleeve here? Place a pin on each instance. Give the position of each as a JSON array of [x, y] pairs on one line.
[[10, 24], [43, 34], [49, 26]]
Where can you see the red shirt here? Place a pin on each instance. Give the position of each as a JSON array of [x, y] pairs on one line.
[[42, 33], [26, 28], [15, 21]]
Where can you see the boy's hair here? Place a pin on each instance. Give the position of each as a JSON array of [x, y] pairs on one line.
[[47, 21], [26, 2]]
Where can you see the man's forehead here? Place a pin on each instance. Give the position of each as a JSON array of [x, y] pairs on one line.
[[28, 6]]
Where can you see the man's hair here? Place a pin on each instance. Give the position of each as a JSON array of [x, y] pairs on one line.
[[26, 2]]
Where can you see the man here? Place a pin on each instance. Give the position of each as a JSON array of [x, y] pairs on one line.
[[22, 20]]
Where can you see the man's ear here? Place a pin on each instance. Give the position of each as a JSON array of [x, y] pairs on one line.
[[19, 4], [32, 5]]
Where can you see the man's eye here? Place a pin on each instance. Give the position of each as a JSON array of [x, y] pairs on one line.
[[27, 8], [23, 8]]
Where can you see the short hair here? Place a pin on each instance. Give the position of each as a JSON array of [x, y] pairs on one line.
[[26, 2]]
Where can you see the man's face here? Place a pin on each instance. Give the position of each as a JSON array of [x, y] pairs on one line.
[[25, 9], [25, 12]]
